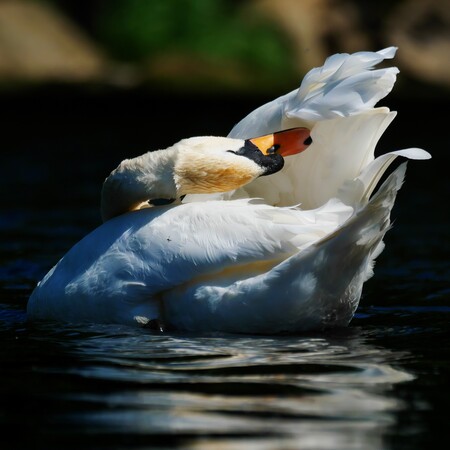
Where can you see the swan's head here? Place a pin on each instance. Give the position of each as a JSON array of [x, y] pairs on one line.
[[210, 164], [198, 165]]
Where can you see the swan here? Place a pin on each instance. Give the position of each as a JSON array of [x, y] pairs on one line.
[[272, 229]]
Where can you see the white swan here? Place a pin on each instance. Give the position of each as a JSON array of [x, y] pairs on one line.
[[284, 253]]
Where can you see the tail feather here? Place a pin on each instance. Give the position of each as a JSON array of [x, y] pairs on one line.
[[358, 191]]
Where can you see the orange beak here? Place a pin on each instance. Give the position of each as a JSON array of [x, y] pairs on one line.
[[286, 142]]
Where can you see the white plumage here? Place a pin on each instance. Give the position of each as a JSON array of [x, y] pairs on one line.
[[287, 252]]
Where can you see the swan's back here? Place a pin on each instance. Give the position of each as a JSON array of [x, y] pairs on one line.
[[132, 258]]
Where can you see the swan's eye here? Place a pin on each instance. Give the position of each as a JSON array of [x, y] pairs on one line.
[[308, 141], [273, 149]]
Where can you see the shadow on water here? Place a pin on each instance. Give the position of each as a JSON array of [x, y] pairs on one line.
[[380, 383]]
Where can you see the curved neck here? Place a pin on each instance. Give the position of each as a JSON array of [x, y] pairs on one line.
[[137, 180]]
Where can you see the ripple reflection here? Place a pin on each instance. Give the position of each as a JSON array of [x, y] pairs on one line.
[[332, 391]]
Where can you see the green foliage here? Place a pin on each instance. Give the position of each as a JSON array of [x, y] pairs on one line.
[[214, 30]]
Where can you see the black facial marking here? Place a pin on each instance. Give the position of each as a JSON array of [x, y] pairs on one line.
[[271, 163], [308, 141]]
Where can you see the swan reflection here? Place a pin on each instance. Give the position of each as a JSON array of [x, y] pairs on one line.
[[332, 391]]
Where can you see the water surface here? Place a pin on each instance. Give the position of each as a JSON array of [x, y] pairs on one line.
[[381, 383]]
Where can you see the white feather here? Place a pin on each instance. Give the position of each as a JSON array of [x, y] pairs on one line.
[[287, 253]]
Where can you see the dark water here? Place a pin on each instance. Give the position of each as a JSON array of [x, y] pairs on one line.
[[381, 383]]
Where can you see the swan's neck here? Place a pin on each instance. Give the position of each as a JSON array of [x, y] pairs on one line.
[[137, 180]]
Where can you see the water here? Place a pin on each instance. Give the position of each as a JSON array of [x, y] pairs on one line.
[[381, 383]]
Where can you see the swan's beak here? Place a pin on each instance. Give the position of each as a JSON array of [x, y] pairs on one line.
[[285, 143]]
